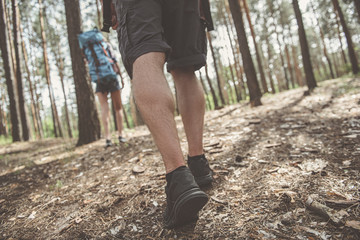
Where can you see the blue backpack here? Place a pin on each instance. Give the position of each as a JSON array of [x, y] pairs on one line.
[[98, 55]]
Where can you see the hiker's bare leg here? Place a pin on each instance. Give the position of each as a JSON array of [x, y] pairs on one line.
[[116, 99], [104, 112], [156, 105], [191, 104]]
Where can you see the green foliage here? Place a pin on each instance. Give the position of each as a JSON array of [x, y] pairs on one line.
[[5, 140]]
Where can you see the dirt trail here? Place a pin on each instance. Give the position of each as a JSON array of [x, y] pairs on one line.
[[276, 168]]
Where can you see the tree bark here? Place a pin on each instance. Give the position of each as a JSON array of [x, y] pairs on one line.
[[352, 55], [56, 121], [60, 66], [17, 46], [252, 82], [357, 6], [236, 64], [236, 53], [5, 53], [12, 49], [310, 78], [88, 121], [339, 37], [298, 74], [31, 89], [98, 15], [258, 58]]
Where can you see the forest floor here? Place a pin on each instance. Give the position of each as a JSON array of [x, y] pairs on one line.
[[286, 170]]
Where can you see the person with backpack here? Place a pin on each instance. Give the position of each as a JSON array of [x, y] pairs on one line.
[[103, 70], [152, 33]]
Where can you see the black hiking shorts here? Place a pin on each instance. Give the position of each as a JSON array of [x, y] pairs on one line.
[[170, 26], [108, 84]]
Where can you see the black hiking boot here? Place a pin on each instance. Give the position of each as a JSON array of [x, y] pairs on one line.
[[199, 167], [184, 198], [122, 139], [108, 143]]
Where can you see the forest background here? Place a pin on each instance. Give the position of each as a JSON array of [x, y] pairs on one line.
[[262, 52]]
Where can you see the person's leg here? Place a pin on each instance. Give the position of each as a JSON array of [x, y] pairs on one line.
[[156, 105], [116, 99], [103, 99], [191, 104]]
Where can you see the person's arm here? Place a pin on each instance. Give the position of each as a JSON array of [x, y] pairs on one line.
[[109, 16]]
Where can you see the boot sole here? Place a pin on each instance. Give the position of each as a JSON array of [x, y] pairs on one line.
[[186, 208]]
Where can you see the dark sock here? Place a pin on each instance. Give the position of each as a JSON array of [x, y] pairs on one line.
[[169, 175], [194, 158]]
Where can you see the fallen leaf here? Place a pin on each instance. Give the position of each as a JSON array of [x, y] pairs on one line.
[[32, 215], [88, 201], [272, 145], [353, 224], [138, 169], [218, 200], [78, 220], [255, 121]]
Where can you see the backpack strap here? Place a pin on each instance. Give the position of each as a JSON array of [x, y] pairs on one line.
[[96, 60]]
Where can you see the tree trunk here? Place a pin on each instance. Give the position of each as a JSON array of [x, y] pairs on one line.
[[339, 36], [310, 78], [23, 116], [357, 6], [352, 55], [220, 85], [216, 104], [238, 96], [56, 121], [236, 64], [12, 48], [60, 66], [88, 121], [5, 53], [269, 61], [35, 72], [252, 82], [289, 65], [258, 58], [208, 104], [28, 77], [241, 70], [98, 15], [298, 74], [235, 50]]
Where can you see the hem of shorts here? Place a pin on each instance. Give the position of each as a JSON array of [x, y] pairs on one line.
[[144, 48], [197, 61], [110, 91]]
